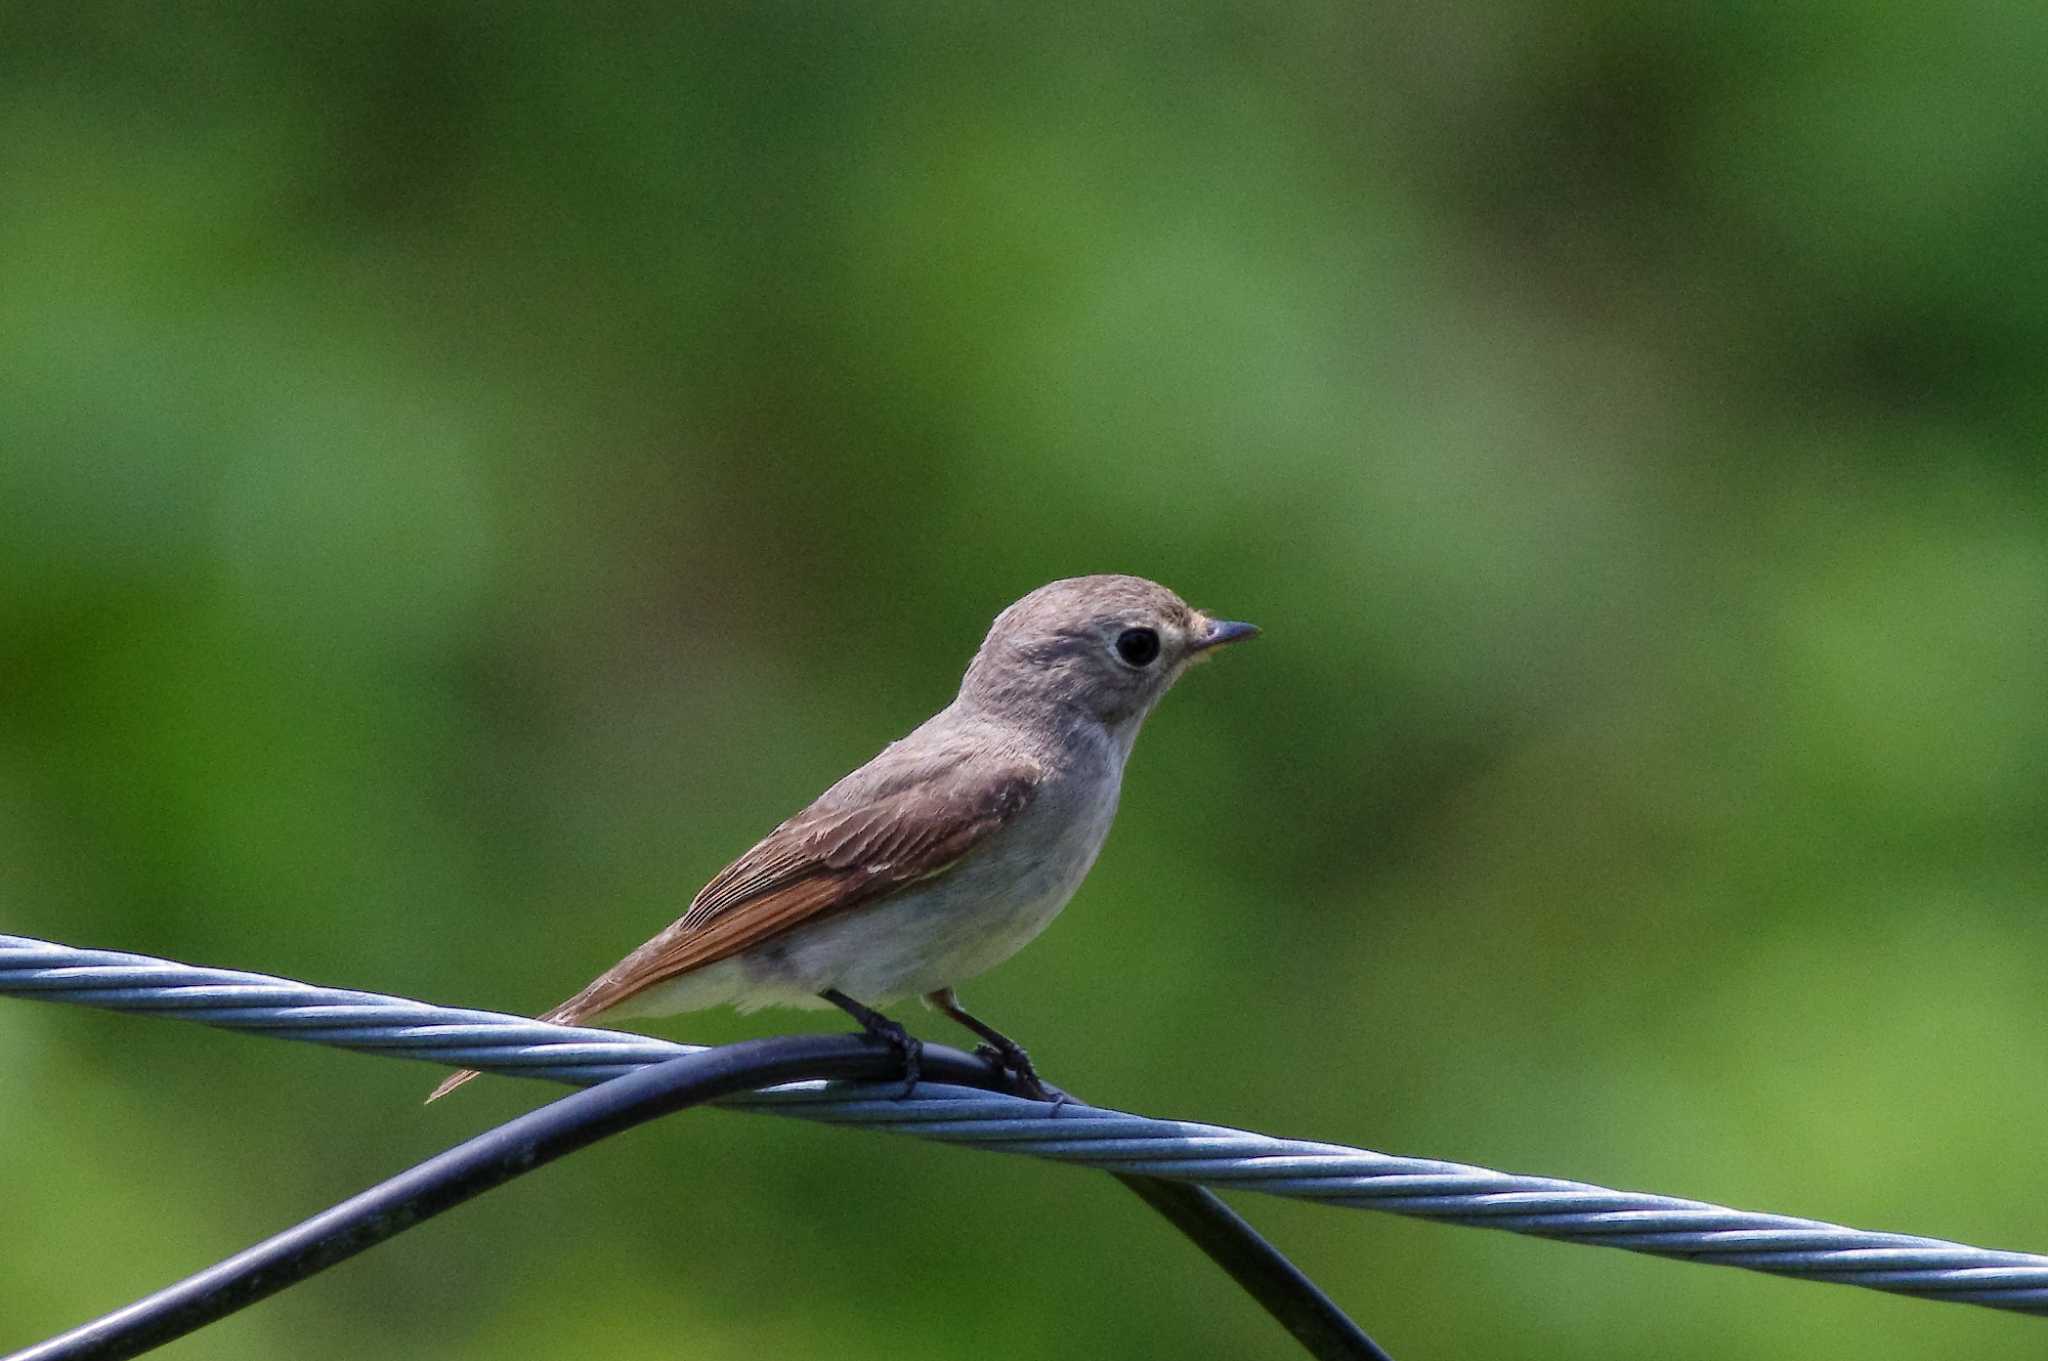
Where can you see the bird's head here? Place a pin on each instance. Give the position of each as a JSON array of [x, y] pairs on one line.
[[1105, 646]]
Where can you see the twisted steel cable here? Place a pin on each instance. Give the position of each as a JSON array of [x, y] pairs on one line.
[[1113, 1141]]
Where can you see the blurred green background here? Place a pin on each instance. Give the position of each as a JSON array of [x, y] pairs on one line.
[[467, 471]]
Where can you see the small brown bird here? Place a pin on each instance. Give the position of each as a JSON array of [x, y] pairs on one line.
[[946, 853]]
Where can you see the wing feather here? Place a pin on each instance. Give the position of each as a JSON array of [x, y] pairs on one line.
[[838, 854]]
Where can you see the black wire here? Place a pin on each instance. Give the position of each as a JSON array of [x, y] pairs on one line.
[[582, 1118], [1326, 1331], [468, 1169]]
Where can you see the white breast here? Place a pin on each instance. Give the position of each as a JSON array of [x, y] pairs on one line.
[[939, 933]]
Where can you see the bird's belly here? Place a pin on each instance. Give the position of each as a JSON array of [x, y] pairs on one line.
[[911, 943], [915, 941]]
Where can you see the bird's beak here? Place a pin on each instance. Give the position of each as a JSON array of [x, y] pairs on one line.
[[1217, 632]]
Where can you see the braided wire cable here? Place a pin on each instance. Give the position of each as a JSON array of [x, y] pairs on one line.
[[1114, 1141]]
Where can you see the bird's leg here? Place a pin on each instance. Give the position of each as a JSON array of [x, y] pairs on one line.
[[882, 1028], [999, 1048]]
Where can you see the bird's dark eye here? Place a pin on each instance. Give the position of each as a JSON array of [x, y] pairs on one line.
[[1138, 647]]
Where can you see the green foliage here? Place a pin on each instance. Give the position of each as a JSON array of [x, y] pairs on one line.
[[466, 471]]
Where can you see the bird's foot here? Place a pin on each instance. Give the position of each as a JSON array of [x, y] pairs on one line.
[[1024, 1079], [904, 1043]]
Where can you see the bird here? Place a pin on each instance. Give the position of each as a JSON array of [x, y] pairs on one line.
[[948, 851]]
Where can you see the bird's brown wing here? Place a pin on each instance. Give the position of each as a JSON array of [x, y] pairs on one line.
[[847, 849], [907, 815]]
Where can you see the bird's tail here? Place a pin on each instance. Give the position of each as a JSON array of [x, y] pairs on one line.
[[568, 1013], [449, 1084]]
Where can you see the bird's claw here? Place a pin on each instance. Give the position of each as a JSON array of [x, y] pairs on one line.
[[1024, 1079], [910, 1047]]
